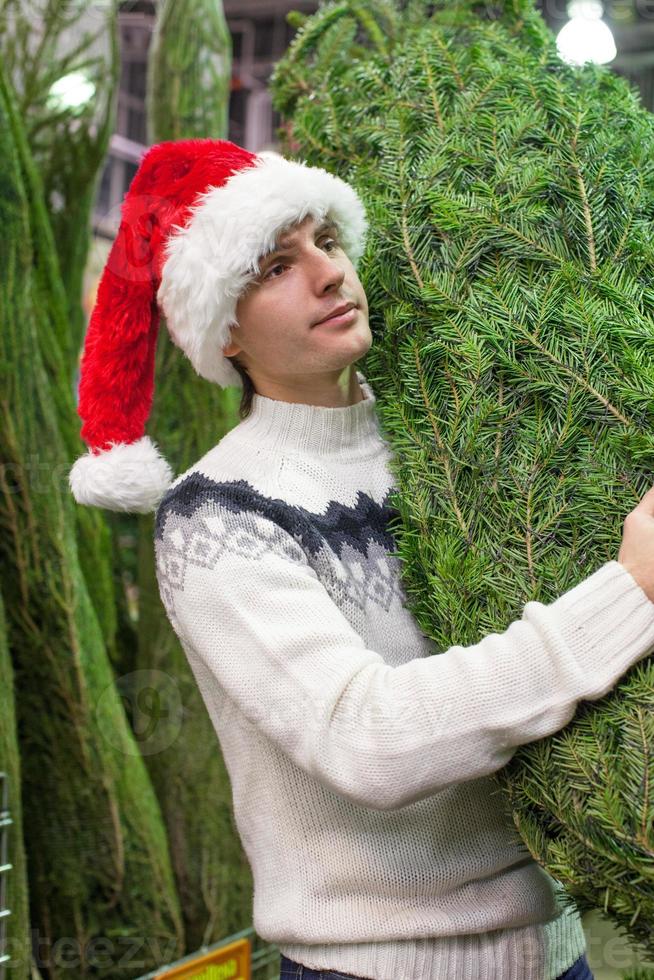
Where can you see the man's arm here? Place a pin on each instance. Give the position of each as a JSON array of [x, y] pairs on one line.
[[274, 640]]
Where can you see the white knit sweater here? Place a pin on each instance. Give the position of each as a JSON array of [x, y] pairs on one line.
[[360, 764]]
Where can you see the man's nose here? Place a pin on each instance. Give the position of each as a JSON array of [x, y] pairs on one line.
[[327, 271]]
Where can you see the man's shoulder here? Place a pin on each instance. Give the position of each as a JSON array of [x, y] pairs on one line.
[[211, 493], [203, 521], [220, 474]]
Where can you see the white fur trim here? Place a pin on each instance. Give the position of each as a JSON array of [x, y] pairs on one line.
[[128, 477], [210, 261]]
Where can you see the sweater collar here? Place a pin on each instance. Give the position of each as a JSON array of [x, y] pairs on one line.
[[298, 428]]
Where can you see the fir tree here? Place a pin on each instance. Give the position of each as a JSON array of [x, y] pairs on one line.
[[62, 59], [189, 71], [509, 273], [97, 855], [53, 51]]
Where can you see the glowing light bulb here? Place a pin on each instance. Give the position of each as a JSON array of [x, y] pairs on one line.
[[586, 37], [72, 91]]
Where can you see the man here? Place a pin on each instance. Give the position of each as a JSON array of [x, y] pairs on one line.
[[360, 764]]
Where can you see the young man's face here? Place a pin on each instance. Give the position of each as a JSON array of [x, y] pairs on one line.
[[278, 341]]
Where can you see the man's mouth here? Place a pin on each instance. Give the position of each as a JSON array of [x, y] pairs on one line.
[[343, 313]]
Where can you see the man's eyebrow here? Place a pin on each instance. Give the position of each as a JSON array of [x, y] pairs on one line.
[[284, 245]]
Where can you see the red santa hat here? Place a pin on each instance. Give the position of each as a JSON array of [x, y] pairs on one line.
[[197, 218]]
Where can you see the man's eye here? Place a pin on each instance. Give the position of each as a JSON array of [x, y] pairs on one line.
[[281, 265]]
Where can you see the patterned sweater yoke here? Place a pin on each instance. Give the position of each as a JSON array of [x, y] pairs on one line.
[[361, 758]]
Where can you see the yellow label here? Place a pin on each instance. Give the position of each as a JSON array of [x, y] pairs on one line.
[[232, 962]]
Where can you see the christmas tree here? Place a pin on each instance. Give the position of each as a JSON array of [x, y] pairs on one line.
[[509, 272], [98, 859]]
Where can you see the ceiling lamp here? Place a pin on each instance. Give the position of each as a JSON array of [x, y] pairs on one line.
[[586, 37], [71, 92]]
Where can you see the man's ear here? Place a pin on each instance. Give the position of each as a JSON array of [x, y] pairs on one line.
[[231, 349]]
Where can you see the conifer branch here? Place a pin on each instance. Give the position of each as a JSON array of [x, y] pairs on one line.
[[11, 511], [455, 393], [372, 28], [408, 250], [528, 538], [627, 228], [441, 446], [481, 94], [498, 434], [433, 93], [404, 223], [438, 40], [584, 200], [581, 381], [646, 816], [514, 232]]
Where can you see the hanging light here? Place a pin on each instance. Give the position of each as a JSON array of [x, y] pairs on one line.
[[586, 37], [72, 91]]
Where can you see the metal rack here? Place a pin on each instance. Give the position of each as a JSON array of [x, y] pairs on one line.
[[5, 866]]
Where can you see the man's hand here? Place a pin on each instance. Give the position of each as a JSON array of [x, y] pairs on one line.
[[637, 548]]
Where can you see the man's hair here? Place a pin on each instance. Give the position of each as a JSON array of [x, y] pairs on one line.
[[249, 390]]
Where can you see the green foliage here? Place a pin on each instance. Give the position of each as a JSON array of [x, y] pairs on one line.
[[62, 60], [16, 896], [509, 273], [54, 340], [98, 861], [189, 71]]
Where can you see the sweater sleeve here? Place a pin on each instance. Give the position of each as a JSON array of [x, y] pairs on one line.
[[258, 617]]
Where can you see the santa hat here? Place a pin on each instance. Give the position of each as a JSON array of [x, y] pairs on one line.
[[197, 218]]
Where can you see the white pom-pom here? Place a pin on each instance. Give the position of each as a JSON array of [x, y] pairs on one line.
[[129, 477]]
